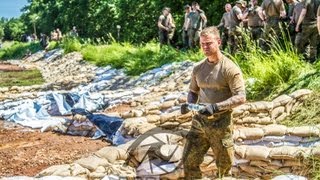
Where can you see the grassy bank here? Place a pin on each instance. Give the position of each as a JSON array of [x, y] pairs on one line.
[[18, 50], [20, 78], [134, 59]]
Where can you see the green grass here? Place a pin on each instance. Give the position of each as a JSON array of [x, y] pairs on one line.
[[20, 78], [306, 114], [269, 74], [17, 50], [134, 59]]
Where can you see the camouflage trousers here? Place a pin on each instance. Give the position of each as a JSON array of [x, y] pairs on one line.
[[256, 32], [235, 39], [224, 38], [215, 132], [309, 35], [193, 37], [164, 37]]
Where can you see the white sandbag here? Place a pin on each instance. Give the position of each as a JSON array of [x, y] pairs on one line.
[[299, 93], [286, 152], [250, 133], [257, 153], [304, 131], [261, 106], [274, 130], [282, 100]]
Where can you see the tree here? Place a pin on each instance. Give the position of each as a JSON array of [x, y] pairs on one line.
[[14, 29], [33, 19]]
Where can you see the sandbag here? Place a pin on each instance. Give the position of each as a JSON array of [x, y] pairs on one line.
[[274, 130], [286, 152], [112, 154], [261, 106], [282, 100], [304, 131], [277, 112], [250, 133], [257, 153], [299, 93]]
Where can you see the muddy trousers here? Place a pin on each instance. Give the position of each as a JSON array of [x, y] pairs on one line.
[[309, 35], [207, 132]]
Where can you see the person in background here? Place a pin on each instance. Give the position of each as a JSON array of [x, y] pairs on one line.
[[185, 39], [273, 10], [197, 20], [236, 18], [163, 27], [318, 20], [309, 34], [289, 20], [225, 25], [171, 26], [59, 35], [255, 21], [295, 18]]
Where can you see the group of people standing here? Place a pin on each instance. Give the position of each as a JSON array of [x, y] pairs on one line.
[[269, 20], [300, 20], [194, 21]]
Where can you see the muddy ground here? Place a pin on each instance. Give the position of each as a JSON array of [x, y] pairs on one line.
[[9, 67], [26, 152]]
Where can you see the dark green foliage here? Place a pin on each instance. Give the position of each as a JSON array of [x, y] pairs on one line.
[[98, 18], [14, 29]]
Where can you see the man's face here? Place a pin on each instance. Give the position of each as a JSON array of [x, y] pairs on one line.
[[165, 12], [228, 7], [187, 10], [289, 1], [210, 44]]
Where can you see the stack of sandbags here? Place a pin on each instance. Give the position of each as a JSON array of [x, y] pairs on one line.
[[264, 112], [107, 161], [278, 135]]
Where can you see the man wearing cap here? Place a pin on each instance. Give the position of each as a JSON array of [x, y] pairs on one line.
[[225, 25], [273, 11], [197, 20], [217, 83], [236, 18], [255, 21], [185, 38], [309, 33]]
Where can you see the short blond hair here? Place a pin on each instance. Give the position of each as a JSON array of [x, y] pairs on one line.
[[212, 30]]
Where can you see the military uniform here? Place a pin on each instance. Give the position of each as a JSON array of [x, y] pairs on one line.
[[213, 82], [255, 23], [195, 27], [309, 33], [272, 9], [163, 34], [295, 16], [235, 30], [225, 26]]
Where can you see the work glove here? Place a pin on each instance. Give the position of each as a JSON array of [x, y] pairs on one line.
[[209, 109], [184, 109]]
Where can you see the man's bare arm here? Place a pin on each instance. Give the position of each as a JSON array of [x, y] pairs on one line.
[[301, 18], [232, 102]]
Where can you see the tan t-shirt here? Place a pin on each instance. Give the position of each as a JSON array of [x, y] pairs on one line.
[[254, 19], [218, 82], [272, 9]]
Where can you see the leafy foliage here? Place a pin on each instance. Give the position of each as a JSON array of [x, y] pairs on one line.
[[95, 19]]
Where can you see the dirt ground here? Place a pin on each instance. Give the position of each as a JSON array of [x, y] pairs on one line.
[[9, 67], [26, 152]]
